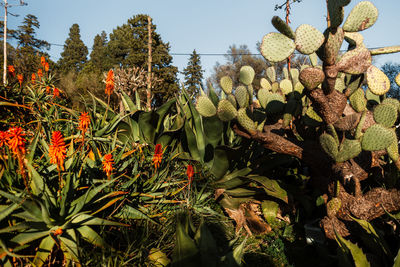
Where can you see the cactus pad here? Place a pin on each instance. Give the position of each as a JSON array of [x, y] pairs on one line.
[[312, 118], [363, 16], [264, 83], [232, 99], [308, 39], [355, 61], [333, 206], [377, 137], [242, 96], [294, 73], [313, 59], [398, 79], [226, 84], [205, 106], [286, 86], [385, 114], [339, 85], [385, 50], [226, 111], [275, 103], [333, 41], [262, 96], [348, 149], [276, 47], [298, 87], [246, 75], [358, 101], [393, 150], [245, 121], [392, 101], [282, 27], [336, 12], [311, 77], [275, 87], [378, 82], [271, 74], [329, 145], [354, 38]]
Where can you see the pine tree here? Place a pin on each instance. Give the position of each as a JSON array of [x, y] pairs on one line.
[[193, 75], [127, 47], [75, 52]]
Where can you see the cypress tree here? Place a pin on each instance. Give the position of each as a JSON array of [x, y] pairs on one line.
[[193, 74], [75, 52]]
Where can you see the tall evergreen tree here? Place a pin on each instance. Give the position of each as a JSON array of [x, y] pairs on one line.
[[27, 55], [193, 74], [98, 54], [127, 47], [75, 52]]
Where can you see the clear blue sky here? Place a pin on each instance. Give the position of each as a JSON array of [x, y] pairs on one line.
[[209, 26]]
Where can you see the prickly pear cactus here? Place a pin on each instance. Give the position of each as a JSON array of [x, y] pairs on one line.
[[334, 111]]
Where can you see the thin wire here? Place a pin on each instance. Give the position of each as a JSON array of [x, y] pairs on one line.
[[216, 54]]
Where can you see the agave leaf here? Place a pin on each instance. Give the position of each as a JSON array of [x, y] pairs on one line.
[[108, 204], [213, 130], [36, 184], [370, 230], [129, 212], [33, 145], [192, 142], [80, 202], [397, 260], [26, 204], [69, 244], [44, 250], [185, 252], [220, 164], [128, 103], [207, 246], [91, 236], [6, 210], [359, 258], [29, 236], [271, 187], [86, 219]]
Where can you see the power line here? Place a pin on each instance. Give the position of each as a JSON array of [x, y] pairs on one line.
[[217, 54]]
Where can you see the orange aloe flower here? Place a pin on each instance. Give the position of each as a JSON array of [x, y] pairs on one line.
[[57, 150], [110, 83], [16, 140], [33, 78], [46, 66], [84, 122], [56, 92], [11, 70], [108, 161], [190, 173], [3, 138], [47, 89], [40, 73], [20, 78], [43, 61], [158, 154]]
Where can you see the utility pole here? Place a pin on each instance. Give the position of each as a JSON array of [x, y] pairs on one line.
[[148, 104], [6, 6], [5, 44]]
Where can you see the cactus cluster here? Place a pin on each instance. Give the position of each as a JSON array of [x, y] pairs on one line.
[[292, 97]]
